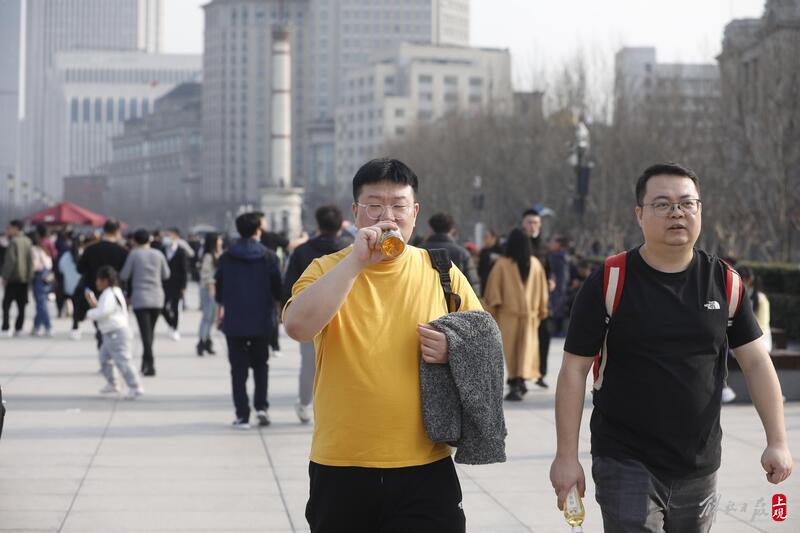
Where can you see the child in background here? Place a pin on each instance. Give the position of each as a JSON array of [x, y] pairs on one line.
[[111, 316]]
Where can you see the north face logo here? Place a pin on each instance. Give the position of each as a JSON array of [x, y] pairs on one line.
[[712, 305]]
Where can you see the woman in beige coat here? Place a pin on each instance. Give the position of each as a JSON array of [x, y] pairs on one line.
[[516, 295]]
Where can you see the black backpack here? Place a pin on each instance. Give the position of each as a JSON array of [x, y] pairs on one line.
[[440, 259]]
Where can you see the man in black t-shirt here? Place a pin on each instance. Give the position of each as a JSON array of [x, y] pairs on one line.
[[656, 420]]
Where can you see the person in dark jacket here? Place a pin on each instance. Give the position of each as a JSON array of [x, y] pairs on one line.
[[492, 249], [248, 279], [329, 240], [532, 226], [443, 227], [175, 285], [17, 274], [106, 252]]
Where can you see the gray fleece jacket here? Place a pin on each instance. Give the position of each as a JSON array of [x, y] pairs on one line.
[[462, 401]]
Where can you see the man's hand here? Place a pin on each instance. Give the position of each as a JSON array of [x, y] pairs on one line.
[[220, 316], [565, 474], [777, 463], [367, 245], [433, 343]]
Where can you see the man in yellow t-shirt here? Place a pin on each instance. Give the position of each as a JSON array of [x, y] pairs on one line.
[[373, 467]]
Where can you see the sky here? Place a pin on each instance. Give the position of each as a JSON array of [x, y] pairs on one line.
[[543, 34]]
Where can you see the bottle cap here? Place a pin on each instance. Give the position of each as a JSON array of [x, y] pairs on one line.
[[577, 529]]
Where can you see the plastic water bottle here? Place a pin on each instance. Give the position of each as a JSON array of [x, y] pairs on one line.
[[574, 511]]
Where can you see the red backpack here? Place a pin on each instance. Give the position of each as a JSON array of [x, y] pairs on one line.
[[614, 280]]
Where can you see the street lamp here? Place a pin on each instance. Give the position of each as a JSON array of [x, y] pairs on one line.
[[477, 204], [582, 165]]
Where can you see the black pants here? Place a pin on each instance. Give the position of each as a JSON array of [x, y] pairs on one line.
[[147, 318], [544, 345], [417, 499], [16, 292], [172, 305], [245, 353]]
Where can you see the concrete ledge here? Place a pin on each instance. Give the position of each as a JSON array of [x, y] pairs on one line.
[[787, 364]]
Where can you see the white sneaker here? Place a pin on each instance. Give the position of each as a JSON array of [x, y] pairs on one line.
[[174, 334], [109, 389], [75, 334], [36, 332], [276, 354], [263, 418], [8, 334], [728, 395], [48, 333], [240, 424], [134, 393], [303, 412]]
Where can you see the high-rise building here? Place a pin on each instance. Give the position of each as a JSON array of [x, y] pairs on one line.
[[642, 84], [156, 166], [10, 31], [53, 26], [238, 93], [93, 93], [415, 84], [343, 35]]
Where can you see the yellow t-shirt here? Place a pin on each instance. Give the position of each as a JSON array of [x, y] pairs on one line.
[[367, 404]]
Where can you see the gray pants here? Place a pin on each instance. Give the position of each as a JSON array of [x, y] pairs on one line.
[[308, 365], [633, 500], [116, 347]]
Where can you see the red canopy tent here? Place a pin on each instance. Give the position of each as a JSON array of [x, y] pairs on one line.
[[67, 213]]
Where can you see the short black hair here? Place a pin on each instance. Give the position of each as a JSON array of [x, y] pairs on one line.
[[441, 222], [41, 229], [384, 169], [111, 226], [175, 230], [663, 169], [108, 273], [247, 224], [141, 236], [329, 218], [531, 212], [17, 224]]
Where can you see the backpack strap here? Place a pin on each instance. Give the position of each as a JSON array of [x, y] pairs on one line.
[[440, 260], [734, 290], [613, 282]]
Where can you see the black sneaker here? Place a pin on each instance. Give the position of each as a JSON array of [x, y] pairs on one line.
[[541, 383], [240, 423], [149, 371], [201, 346], [513, 396], [263, 418]]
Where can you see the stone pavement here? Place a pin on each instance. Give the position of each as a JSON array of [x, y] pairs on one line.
[[73, 461]]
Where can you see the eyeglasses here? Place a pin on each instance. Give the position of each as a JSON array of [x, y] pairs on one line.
[[376, 211], [663, 209]]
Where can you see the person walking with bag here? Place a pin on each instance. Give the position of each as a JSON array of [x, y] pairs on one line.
[[43, 279], [516, 295], [17, 274]]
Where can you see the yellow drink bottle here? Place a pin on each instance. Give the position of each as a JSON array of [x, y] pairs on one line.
[[392, 243], [574, 511]]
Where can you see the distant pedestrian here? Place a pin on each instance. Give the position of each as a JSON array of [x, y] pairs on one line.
[[559, 283], [111, 316], [146, 269], [17, 274], [329, 240], [492, 249], [175, 285], [532, 226], [43, 279], [106, 252], [71, 278], [248, 281], [212, 249], [444, 231], [516, 295]]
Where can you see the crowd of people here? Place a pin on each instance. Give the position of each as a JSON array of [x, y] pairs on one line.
[[370, 323]]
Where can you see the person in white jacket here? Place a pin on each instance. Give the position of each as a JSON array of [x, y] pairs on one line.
[[111, 315]]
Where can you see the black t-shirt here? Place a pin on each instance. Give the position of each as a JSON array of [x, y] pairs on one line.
[[103, 253], [661, 392]]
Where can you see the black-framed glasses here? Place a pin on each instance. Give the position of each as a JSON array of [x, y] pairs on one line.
[[690, 206], [376, 211]]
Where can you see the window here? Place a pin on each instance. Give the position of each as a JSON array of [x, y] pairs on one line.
[[476, 82], [426, 79], [399, 112], [87, 109], [425, 115], [110, 110], [133, 108], [145, 107], [98, 110], [74, 110], [399, 130]]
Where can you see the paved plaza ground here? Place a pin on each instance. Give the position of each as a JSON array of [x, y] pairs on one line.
[[74, 461]]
